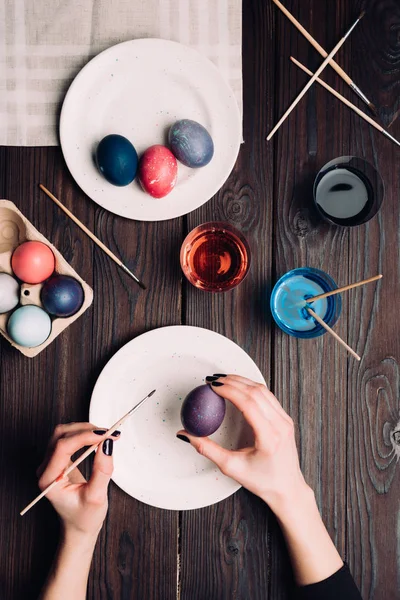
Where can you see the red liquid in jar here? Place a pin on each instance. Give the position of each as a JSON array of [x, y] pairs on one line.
[[215, 260]]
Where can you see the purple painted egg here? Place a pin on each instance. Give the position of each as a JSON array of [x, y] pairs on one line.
[[202, 411], [191, 143]]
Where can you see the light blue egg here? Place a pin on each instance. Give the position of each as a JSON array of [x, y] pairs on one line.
[[29, 326]]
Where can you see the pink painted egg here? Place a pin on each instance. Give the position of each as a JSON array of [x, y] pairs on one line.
[[158, 171]]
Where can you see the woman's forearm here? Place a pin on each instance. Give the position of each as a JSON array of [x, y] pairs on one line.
[[313, 555], [69, 573]]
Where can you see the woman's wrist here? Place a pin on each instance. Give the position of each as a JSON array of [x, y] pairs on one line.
[[75, 538], [290, 506]]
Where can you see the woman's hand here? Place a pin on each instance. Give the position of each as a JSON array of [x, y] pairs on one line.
[[82, 505], [270, 468]]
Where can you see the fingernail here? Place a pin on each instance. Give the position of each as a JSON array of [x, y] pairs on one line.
[[219, 375], [108, 447], [103, 431], [183, 438], [217, 383], [211, 378]]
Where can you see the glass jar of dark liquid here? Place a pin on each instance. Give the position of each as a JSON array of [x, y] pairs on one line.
[[348, 191]]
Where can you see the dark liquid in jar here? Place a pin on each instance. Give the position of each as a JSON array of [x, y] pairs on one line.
[[345, 196]]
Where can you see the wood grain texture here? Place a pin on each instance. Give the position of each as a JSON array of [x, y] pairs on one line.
[[373, 474], [310, 376], [225, 548], [39, 393], [348, 415], [137, 550], [376, 57]]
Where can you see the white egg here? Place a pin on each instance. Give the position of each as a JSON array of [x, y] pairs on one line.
[[9, 292]]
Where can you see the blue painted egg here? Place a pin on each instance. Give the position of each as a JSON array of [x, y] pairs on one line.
[[191, 143], [62, 295], [202, 411], [117, 159], [29, 326]]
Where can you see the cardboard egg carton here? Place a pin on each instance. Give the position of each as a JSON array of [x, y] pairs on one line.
[[14, 230]]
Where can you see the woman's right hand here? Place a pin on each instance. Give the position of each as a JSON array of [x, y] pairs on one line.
[[270, 468]]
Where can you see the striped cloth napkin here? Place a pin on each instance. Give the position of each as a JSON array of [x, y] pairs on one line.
[[44, 43]]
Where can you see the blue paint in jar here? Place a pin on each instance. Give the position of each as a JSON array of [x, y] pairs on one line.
[[289, 302]]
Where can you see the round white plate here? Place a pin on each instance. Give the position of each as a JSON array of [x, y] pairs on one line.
[[151, 464], [138, 89]]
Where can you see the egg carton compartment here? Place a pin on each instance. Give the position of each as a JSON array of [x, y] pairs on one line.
[[14, 230]]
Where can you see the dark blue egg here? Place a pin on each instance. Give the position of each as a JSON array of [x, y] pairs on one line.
[[191, 143], [62, 296], [202, 411], [117, 159]]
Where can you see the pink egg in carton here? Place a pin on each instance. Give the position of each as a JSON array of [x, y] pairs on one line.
[[14, 230]]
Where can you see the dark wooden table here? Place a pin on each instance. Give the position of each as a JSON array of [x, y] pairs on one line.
[[346, 412]]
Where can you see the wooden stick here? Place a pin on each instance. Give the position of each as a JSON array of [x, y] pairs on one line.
[[347, 102], [314, 77], [344, 289], [335, 335], [324, 53], [92, 236], [84, 455]]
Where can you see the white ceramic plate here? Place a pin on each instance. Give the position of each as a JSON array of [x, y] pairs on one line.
[[151, 464], [138, 89]]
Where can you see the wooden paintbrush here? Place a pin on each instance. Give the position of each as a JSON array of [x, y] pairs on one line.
[[84, 455], [347, 102], [324, 53], [94, 238], [315, 76]]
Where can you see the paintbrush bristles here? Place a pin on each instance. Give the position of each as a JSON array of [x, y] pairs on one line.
[[323, 53]]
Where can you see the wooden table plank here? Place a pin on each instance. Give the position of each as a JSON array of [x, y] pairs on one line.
[[225, 548], [346, 413], [137, 551], [310, 376], [374, 409], [41, 392]]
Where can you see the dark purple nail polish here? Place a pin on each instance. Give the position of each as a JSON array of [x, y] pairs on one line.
[[217, 383], [210, 378], [108, 447], [219, 375], [183, 438]]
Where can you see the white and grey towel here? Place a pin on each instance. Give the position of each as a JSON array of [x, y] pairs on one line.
[[44, 43]]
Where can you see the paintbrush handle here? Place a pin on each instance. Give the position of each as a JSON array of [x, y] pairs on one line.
[[344, 288], [83, 456], [313, 78], [313, 42], [82, 226], [73, 466], [93, 237], [333, 333], [339, 96]]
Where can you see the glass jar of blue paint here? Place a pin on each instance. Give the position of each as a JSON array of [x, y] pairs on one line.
[[289, 300]]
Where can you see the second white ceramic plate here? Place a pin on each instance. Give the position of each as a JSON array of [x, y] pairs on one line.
[[151, 464], [138, 89]]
